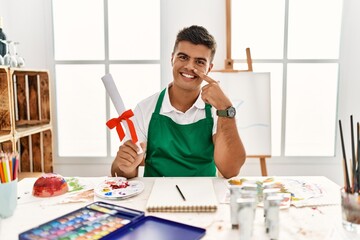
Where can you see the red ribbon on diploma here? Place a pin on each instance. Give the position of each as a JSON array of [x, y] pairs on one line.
[[116, 122]]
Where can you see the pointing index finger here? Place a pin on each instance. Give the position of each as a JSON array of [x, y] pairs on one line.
[[204, 77]]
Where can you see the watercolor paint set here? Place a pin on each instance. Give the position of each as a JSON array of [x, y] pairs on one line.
[[100, 220]]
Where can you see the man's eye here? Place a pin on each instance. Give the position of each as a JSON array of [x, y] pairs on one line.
[[183, 57], [200, 62]]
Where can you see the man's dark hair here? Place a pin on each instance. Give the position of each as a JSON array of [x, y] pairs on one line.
[[197, 35]]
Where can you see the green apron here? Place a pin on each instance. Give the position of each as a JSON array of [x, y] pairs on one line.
[[179, 150]]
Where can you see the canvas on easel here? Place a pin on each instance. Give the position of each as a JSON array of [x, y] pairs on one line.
[[250, 95]]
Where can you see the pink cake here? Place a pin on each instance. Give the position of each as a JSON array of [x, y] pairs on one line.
[[50, 185]]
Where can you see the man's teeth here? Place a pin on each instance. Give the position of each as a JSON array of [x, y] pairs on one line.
[[187, 75]]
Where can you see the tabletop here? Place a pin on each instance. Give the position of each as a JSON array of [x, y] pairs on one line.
[[309, 222]]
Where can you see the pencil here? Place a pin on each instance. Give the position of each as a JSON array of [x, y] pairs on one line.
[[16, 169], [2, 176], [6, 170], [347, 182], [10, 169], [183, 197]]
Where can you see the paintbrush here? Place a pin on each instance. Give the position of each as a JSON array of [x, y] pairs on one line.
[[347, 182], [353, 172]]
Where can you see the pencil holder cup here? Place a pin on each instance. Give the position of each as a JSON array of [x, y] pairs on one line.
[[350, 208], [8, 198]]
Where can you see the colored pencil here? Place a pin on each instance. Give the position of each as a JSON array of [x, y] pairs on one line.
[[11, 172], [16, 168], [2, 176], [9, 166], [6, 170], [347, 182]]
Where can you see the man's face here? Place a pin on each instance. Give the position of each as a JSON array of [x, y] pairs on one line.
[[185, 59]]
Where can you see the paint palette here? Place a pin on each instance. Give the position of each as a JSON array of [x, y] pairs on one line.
[[94, 221], [106, 221], [118, 188]]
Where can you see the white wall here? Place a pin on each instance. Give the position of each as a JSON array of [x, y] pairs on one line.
[[29, 22], [176, 15]]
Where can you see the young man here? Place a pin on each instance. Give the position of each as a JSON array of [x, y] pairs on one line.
[[186, 129]]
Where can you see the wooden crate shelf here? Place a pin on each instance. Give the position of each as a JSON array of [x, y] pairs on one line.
[[5, 102], [7, 145], [25, 117], [25, 131], [36, 152], [31, 97]]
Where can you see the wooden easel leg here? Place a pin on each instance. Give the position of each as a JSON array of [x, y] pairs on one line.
[[263, 166]]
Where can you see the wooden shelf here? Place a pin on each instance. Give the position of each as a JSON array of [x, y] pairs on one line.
[[26, 131], [25, 117], [6, 144], [5, 102], [4, 138]]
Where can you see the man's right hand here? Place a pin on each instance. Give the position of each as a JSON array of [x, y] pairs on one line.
[[127, 160]]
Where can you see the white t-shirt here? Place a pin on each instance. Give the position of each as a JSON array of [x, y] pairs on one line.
[[144, 110]]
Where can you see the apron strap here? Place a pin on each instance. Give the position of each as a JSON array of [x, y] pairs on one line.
[[159, 101], [208, 110]]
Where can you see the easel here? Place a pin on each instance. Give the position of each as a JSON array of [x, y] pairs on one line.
[[229, 67]]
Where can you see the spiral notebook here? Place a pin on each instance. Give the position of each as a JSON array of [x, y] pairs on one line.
[[192, 195]]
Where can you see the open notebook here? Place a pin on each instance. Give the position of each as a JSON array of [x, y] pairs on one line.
[[198, 192]]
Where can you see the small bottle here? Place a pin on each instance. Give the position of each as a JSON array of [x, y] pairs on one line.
[[246, 216], [2, 37], [272, 220], [235, 193]]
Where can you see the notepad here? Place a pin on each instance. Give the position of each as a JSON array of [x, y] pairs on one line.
[[198, 192]]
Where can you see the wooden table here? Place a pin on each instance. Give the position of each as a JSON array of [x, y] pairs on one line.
[[322, 222]]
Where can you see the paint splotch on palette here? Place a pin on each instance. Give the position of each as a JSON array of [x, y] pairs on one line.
[[118, 188]]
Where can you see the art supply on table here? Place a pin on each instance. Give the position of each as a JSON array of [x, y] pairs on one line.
[[8, 198], [124, 115], [181, 194], [235, 193], [200, 195], [272, 220], [353, 175], [346, 173], [266, 193], [246, 214], [350, 209], [352, 180], [50, 185], [118, 188], [9, 167], [350, 194], [109, 221]]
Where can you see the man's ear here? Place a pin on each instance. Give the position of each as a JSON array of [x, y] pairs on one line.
[[172, 58], [210, 67]]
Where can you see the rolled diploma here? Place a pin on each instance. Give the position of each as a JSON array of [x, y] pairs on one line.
[[117, 101]]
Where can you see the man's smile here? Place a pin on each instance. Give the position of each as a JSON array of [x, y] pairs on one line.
[[188, 75]]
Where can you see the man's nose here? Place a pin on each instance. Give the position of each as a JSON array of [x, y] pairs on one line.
[[190, 64]]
